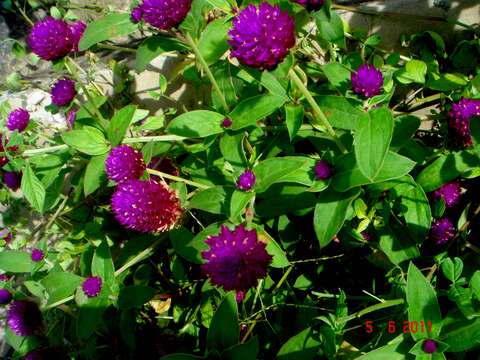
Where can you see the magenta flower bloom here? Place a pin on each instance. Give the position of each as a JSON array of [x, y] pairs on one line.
[[367, 81], [146, 206], [429, 346], [163, 14], [77, 28], [246, 180], [459, 123], [24, 318], [18, 120], [442, 231], [50, 38], [63, 92], [262, 37], [310, 5], [5, 296], [449, 192], [137, 14], [92, 286], [226, 123], [71, 116], [124, 163], [37, 255], [12, 179], [236, 259], [323, 170]]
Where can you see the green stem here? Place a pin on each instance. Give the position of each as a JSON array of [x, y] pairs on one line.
[[205, 67], [59, 302], [318, 113], [35, 152], [176, 178], [382, 305], [115, 47]]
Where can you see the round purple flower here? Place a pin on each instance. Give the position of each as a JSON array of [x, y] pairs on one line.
[[92, 286], [261, 37], [5, 296], [137, 14], [18, 120], [124, 163], [442, 231], [12, 179], [459, 123], [63, 92], [71, 116], [50, 38], [236, 259], [226, 123], [77, 28], [323, 170], [449, 192], [146, 206], [465, 109], [246, 180], [24, 318], [367, 81], [37, 255], [164, 14], [310, 5], [429, 346]]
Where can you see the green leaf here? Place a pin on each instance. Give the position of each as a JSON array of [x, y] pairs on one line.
[[447, 82], [422, 304], [214, 200], [452, 269], [221, 4], [330, 213], [213, 40], [338, 75], [239, 202], [224, 329], [293, 118], [372, 140], [33, 189], [461, 335], [102, 264], [154, 46], [253, 109], [245, 351], [89, 140], [107, 28], [120, 123], [197, 123], [231, 146], [21, 344], [396, 246], [90, 313], [279, 258], [404, 129], [134, 296], [16, 261], [339, 112], [463, 298], [302, 346], [475, 284], [183, 243], [284, 199], [394, 350], [180, 357], [95, 174], [60, 285], [414, 71], [330, 26]]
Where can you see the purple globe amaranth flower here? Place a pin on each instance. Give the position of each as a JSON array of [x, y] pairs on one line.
[[165, 14], [77, 28], [246, 180], [18, 120], [12, 179], [310, 5], [37, 255], [124, 163], [323, 170], [442, 231], [5, 296], [71, 116], [367, 81], [236, 259], [24, 318], [63, 92], [226, 123], [50, 38], [92, 286], [459, 123], [429, 346], [146, 206], [262, 36], [449, 192], [136, 14]]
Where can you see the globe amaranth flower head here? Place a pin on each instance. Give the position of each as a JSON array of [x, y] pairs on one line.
[[323, 170], [459, 122], [236, 259], [24, 317], [50, 38], [146, 206], [77, 28], [429, 346], [246, 180], [37, 255], [262, 36], [310, 5], [124, 163], [92, 286], [5, 296], [162, 14], [442, 231], [449, 192], [18, 119], [12, 179], [63, 92], [367, 81]]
